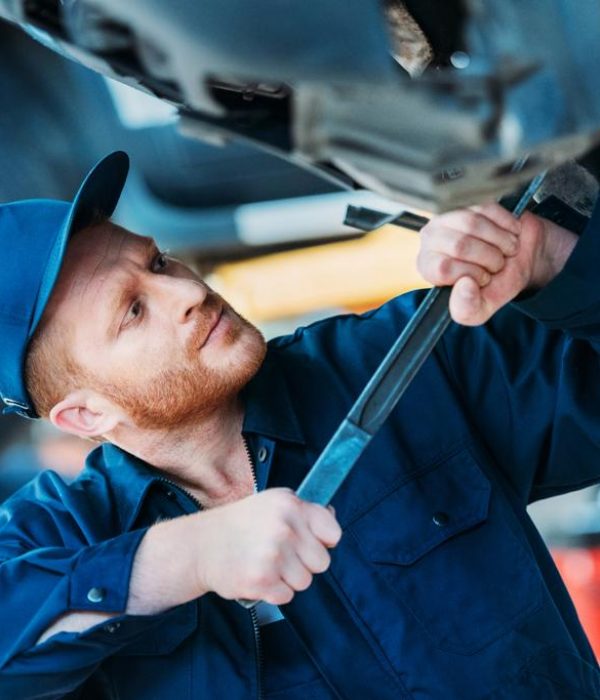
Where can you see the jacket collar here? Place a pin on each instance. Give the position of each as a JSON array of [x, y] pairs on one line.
[[130, 479], [268, 411], [268, 408]]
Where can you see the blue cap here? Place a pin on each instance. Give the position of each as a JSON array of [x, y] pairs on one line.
[[34, 236]]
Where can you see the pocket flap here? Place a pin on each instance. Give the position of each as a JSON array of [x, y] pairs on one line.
[[437, 504]]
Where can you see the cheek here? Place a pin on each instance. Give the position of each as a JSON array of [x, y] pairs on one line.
[[148, 356], [135, 357]]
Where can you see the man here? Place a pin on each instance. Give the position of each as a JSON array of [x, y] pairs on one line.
[[123, 584]]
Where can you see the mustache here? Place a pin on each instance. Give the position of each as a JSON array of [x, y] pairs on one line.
[[207, 317]]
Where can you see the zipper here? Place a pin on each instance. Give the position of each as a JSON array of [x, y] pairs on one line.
[[259, 652], [251, 462], [252, 611], [192, 498], [253, 615]]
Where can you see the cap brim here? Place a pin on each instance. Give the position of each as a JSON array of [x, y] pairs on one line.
[[97, 197]]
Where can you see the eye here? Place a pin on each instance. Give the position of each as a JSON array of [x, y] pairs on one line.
[[160, 263], [133, 314]]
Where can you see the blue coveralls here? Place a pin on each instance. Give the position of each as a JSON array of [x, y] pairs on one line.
[[440, 588]]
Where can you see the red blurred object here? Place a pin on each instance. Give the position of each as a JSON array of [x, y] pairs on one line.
[[580, 570]]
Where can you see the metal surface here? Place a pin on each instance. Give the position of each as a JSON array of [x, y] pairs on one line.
[[367, 219], [317, 84]]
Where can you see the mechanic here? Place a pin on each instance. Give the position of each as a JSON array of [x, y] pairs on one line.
[[123, 584]]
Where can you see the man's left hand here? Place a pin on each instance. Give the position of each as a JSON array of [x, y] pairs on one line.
[[489, 257]]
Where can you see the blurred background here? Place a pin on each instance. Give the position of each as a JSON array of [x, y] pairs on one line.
[[269, 236]]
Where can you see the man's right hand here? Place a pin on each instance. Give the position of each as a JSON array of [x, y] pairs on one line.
[[264, 547]]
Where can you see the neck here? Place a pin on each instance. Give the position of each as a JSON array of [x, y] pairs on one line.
[[207, 458]]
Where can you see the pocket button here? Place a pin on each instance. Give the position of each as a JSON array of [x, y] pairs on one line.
[[440, 518]]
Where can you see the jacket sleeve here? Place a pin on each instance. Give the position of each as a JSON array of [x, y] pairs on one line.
[[530, 381], [49, 563]]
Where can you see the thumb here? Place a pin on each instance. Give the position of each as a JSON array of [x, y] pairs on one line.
[[467, 305]]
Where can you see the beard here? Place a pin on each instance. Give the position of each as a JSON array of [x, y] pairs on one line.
[[174, 397]]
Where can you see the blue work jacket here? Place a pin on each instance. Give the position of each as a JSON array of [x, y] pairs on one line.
[[441, 588]]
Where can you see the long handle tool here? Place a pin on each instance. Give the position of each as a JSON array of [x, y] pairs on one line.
[[385, 388]]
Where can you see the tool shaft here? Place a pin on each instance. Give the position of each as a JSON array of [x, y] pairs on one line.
[[385, 388]]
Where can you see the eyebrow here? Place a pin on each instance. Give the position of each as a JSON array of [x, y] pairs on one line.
[[117, 300]]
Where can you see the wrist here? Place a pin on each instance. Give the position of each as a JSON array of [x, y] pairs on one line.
[[164, 572], [201, 538], [557, 245]]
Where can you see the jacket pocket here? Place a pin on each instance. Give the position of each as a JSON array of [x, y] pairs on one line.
[[445, 548]]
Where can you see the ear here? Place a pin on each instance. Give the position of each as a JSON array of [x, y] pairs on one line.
[[84, 414]]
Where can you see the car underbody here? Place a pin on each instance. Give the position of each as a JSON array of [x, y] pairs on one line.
[[430, 102]]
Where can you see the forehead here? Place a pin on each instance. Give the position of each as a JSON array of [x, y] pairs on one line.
[[105, 243], [95, 256]]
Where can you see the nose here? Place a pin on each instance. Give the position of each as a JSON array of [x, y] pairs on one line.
[[181, 297]]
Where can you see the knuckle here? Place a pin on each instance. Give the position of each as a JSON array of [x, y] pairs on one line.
[[288, 503], [284, 496], [273, 552], [282, 531], [270, 557], [511, 244], [444, 267], [472, 219], [260, 579], [461, 246]]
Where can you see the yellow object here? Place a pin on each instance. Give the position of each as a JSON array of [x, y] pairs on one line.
[[354, 274]]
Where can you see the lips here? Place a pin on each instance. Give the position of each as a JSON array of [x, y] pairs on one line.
[[216, 322], [213, 324]]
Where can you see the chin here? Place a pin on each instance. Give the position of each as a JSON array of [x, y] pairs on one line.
[[241, 349], [176, 397], [250, 351]]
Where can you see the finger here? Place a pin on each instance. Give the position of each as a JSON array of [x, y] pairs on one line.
[[461, 246], [295, 573], [277, 594], [498, 214], [469, 223], [322, 524], [442, 270], [467, 304], [312, 553]]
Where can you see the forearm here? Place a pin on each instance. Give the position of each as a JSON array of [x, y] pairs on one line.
[[265, 546], [74, 622], [164, 570], [162, 576]]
